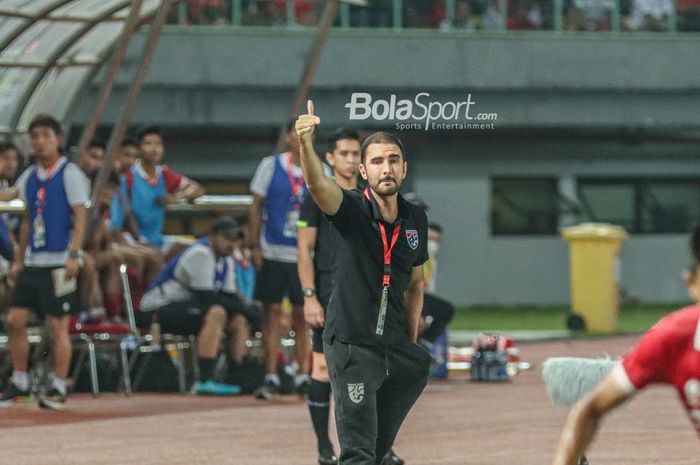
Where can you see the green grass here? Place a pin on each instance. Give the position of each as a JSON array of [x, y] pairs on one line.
[[634, 318]]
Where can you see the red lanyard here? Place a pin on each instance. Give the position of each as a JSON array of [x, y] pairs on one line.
[[297, 184], [387, 247], [41, 194]]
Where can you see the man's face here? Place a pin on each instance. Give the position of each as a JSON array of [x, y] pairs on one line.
[[126, 158], [10, 161], [91, 160], [151, 148], [434, 235], [221, 244], [44, 142], [345, 158], [384, 168]]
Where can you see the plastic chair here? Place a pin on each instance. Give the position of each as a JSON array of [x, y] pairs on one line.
[[109, 335]]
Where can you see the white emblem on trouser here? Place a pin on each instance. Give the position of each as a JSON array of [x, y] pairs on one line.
[[357, 392]]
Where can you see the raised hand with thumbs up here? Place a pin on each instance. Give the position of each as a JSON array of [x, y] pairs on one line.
[[325, 191]]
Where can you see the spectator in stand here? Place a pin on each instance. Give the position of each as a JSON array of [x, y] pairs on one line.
[[207, 12], [688, 15], [651, 15], [151, 187], [420, 14], [304, 12], [379, 13], [589, 15], [462, 19], [494, 19], [526, 16]]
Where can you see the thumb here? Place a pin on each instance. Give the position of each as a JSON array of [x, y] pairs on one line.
[[310, 107]]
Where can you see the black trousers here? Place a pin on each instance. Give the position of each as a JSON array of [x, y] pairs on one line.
[[373, 388], [442, 313]]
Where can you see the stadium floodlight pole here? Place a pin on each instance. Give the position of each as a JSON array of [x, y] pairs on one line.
[[329, 13], [114, 67], [131, 102]]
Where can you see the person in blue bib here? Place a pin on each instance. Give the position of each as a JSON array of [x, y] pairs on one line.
[[196, 294], [47, 260], [279, 189], [152, 187]]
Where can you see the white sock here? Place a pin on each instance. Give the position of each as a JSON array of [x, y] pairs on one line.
[[61, 385], [21, 380], [300, 379], [272, 377]]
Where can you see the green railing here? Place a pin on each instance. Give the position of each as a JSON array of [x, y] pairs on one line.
[[450, 15]]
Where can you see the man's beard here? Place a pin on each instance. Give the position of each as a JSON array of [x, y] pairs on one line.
[[387, 190]]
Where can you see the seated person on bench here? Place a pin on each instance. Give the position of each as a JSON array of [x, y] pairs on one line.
[[195, 293]]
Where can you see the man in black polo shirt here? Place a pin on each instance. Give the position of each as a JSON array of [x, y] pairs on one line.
[[377, 370], [315, 243]]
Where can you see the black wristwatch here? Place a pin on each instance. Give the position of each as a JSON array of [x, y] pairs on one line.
[[309, 292], [75, 254]]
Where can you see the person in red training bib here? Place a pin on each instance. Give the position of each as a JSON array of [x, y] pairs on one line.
[[669, 353]]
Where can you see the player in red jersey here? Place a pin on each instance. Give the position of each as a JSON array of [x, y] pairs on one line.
[[669, 353]]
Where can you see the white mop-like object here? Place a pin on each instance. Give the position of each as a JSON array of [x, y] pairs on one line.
[[568, 379]]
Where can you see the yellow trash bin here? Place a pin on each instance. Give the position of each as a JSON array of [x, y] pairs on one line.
[[594, 264]]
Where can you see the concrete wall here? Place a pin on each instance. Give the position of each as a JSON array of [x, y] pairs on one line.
[[228, 77]]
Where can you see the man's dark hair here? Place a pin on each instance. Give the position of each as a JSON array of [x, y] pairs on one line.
[[5, 146], [129, 142], [46, 121], [381, 138], [344, 133], [150, 130], [97, 144], [435, 227]]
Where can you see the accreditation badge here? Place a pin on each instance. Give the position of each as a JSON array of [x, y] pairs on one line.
[[39, 232]]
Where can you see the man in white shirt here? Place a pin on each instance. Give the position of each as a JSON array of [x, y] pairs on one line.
[[196, 293], [279, 189], [47, 260]]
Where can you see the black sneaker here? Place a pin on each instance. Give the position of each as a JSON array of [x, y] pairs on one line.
[[267, 391], [54, 400], [392, 459], [13, 394]]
